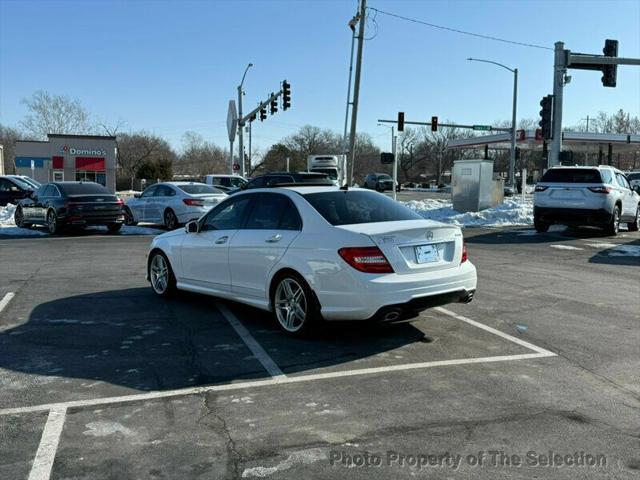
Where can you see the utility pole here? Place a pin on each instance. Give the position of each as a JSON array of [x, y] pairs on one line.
[[241, 122], [559, 71], [356, 86], [345, 147], [512, 157]]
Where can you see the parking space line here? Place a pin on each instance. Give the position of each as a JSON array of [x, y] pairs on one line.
[[5, 300], [253, 345], [495, 332], [46, 454], [283, 380]]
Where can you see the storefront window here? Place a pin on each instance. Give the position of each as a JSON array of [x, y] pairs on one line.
[[91, 176]]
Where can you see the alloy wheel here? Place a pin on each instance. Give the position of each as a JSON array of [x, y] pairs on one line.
[[19, 218], [52, 222], [290, 305], [170, 220], [159, 273], [616, 220], [128, 217]]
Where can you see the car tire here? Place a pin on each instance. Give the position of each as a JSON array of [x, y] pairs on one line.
[[18, 218], [613, 227], [52, 222], [114, 227], [161, 277], [540, 226], [170, 220], [635, 225], [295, 307], [128, 217]]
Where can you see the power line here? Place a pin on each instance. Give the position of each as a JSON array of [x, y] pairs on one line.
[[455, 30]]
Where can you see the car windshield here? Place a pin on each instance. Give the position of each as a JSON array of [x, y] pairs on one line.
[[332, 173], [572, 175], [237, 181], [384, 176], [83, 189], [198, 188], [352, 207], [318, 178]]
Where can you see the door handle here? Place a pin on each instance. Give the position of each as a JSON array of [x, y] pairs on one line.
[[276, 238], [222, 240]]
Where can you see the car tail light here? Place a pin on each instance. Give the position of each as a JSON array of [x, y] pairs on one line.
[[192, 202], [465, 254], [605, 190], [540, 188], [366, 259], [119, 202]]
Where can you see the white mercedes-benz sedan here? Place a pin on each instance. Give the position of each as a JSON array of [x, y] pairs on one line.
[[312, 253]]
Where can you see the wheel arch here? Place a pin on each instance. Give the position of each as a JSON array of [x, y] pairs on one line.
[[279, 273], [150, 256]]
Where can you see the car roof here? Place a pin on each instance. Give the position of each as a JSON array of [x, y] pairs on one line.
[[183, 183], [224, 175]]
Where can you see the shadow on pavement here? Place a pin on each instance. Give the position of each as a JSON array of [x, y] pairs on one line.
[[622, 254], [134, 339], [530, 236]]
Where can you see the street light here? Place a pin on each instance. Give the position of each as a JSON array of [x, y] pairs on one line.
[[395, 160], [241, 122], [512, 159]]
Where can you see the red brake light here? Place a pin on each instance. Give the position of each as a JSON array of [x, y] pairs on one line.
[[119, 202], [193, 202], [366, 259], [605, 190], [465, 255], [540, 188]]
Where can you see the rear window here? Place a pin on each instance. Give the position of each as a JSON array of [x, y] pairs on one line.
[[196, 189], [83, 188], [572, 175], [318, 178], [352, 207]]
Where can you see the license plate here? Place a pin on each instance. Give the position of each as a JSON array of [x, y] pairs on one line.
[[426, 254]]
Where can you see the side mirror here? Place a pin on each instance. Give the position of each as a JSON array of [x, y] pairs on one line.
[[191, 227], [137, 195]]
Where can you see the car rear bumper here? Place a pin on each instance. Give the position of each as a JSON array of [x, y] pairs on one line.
[[352, 295], [572, 216], [92, 219]]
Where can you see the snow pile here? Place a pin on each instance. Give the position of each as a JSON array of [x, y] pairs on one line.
[[8, 226], [513, 212]]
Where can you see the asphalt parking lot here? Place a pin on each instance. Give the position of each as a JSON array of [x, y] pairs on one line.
[[99, 379]]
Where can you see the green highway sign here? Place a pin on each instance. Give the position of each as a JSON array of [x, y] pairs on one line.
[[482, 127]]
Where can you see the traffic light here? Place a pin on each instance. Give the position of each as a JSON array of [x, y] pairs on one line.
[[434, 124], [286, 95], [273, 106], [401, 121], [546, 116], [610, 72], [263, 113]]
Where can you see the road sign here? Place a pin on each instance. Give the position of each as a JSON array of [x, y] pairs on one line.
[[232, 120], [236, 167], [387, 158], [482, 127]]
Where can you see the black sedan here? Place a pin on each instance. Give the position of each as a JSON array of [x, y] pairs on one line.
[[59, 204], [12, 190]]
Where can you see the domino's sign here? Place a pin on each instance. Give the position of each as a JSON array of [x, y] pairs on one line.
[[82, 151]]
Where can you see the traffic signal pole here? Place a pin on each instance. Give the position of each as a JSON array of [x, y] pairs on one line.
[[559, 71]]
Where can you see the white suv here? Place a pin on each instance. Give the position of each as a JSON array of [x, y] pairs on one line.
[[597, 196]]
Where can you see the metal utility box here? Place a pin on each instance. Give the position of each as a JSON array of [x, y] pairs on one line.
[[472, 186]]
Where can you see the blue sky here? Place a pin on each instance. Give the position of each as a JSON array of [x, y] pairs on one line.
[[169, 66]]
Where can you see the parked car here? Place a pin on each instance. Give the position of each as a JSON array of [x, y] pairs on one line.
[[12, 190], [172, 203], [591, 196], [225, 182], [288, 178], [310, 253], [378, 181], [60, 204], [28, 180]]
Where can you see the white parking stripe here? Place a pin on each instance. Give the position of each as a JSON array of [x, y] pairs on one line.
[[495, 332], [46, 454], [257, 350], [282, 380], [5, 300]]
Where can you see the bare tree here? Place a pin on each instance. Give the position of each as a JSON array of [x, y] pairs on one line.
[[200, 157], [136, 149], [54, 114], [8, 137]]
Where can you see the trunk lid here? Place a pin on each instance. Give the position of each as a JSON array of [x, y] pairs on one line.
[[209, 198], [414, 246]]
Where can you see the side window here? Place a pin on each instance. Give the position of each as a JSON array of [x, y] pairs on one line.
[[273, 211], [622, 180], [48, 192], [40, 191], [229, 215], [279, 179], [606, 176], [149, 192], [5, 185], [257, 182], [164, 191], [54, 191]]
